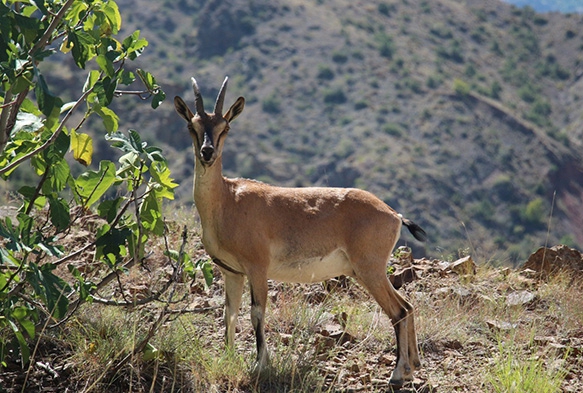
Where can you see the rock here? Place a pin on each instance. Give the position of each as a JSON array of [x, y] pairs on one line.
[[550, 261], [463, 266], [520, 298], [403, 277], [499, 326]]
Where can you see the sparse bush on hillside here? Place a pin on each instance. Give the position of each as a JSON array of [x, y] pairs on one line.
[[360, 104], [528, 93], [495, 90], [453, 52], [535, 211], [339, 57], [386, 8], [393, 129], [334, 96], [271, 104], [550, 68], [539, 113], [325, 73], [460, 87], [385, 45], [441, 30], [433, 81]]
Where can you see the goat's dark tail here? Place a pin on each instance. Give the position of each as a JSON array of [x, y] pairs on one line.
[[417, 232]]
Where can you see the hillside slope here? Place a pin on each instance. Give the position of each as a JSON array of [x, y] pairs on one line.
[[464, 115]]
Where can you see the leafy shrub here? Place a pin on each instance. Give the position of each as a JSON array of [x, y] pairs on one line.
[[385, 45], [495, 90], [325, 73], [539, 112], [433, 81], [453, 52], [339, 57], [360, 104], [334, 96], [271, 104], [534, 212], [528, 93], [460, 87], [42, 133], [393, 129], [386, 8]]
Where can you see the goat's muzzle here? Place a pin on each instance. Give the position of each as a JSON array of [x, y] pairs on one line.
[[206, 153]]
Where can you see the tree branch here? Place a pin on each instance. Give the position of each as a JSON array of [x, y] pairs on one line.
[[44, 40]]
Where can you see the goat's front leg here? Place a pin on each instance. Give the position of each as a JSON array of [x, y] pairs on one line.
[[233, 294], [258, 284]]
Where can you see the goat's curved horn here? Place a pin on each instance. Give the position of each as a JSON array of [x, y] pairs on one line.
[[197, 98], [220, 98]]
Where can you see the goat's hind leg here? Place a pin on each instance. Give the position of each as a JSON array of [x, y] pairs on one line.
[[258, 284], [400, 313]]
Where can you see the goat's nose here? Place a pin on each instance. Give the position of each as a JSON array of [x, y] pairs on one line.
[[207, 152]]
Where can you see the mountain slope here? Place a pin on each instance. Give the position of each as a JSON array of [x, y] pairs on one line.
[[463, 115]]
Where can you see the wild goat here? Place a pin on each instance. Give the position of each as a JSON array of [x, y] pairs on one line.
[[291, 234]]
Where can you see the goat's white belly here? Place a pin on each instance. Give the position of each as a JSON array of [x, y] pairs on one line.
[[313, 269]]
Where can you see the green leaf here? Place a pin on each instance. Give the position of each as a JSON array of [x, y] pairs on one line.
[[59, 213], [82, 47], [111, 11], [104, 90], [82, 148], [46, 101], [105, 64], [24, 350], [136, 141], [127, 77], [29, 192], [109, 117], [166, 184], [108, 209], [92, 78], [151, 214], [41, 6], [50, 288], [134, 45], [111, 244], [84, 287], [207, 272], [76, 12], [158, 98], [59, 173], [91, 185], [23, 316]]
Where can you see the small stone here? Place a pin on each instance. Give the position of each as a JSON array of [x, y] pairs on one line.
[[500, 325], [521, 298], [464, 266]]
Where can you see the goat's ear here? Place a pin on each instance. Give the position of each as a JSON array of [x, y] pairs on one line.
[[182, 109], [235, 110]]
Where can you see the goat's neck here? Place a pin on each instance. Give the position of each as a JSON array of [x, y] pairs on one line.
[[209, 190]]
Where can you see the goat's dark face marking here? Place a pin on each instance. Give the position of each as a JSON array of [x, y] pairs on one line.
[[208, 130]]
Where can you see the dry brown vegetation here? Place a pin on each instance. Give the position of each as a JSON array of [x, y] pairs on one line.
[[486, 330]]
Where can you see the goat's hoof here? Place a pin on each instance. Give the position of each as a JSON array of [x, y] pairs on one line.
[[396, 382]]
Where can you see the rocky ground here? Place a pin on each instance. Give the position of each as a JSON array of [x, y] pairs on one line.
[[470, 319]]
